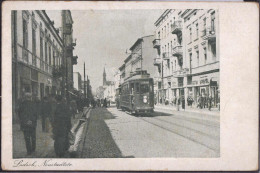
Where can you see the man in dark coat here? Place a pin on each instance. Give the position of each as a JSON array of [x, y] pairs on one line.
[[46, 114], [28, 119], [61, 127], [210, 102]]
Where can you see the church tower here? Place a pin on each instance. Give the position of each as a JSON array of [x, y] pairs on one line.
[[104, 77]]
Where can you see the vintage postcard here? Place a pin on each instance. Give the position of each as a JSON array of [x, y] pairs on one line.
[[130, 85]]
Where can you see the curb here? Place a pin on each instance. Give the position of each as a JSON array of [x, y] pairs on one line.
[[202, 112], [82, 142]]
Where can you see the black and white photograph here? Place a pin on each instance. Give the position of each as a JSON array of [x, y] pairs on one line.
[[144, 82], [129, 86]]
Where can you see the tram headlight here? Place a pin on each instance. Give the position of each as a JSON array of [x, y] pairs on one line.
[[145, 99]]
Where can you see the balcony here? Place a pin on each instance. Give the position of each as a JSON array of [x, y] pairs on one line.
[[205, 68], [166, 55], [156, 43], [74, 60], [209, 34], [181, 73], [176, 27], [157, 61], [177, 51]]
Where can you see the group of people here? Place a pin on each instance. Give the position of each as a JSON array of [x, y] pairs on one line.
[[202, 102], [102, 102], [55, 113]]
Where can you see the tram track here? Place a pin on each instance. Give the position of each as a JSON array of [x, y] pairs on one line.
[[203, 139], [197, 131], [205, 122]]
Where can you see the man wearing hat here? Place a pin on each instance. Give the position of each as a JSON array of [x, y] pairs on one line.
[[28, 120]]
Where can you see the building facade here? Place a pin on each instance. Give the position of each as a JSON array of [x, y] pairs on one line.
[[69, 44], [77, 81], [37, 54], [201, 50], [187, 54]]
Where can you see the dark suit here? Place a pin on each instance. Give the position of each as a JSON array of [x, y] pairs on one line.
[[61, 128], [28, 119]]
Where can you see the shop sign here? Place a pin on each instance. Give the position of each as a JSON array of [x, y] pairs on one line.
[[204, 81]]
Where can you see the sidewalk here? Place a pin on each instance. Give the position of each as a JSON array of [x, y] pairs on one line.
[[44, 141], [214, 111]]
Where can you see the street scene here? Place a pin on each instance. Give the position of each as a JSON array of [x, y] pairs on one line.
[[115, 83]]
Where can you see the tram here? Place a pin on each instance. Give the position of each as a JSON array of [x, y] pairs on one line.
[[136, 94]]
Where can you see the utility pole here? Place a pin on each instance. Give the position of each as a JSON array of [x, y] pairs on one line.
[[84, 82], [88, 88]]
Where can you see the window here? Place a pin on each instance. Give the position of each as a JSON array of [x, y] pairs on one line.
[[46, 57], [162, 33], [172, 66], [197, 30], [198, 59], [53, 55], [34, 47], [205, 56], [204, 23], [171, 46], [25, 34], [213, 21], [165, 31], [131, 88], [137, 87], [41, 48], [175, 65], [159, 36], [168, 27], [174, 42], [34, 41], [49, 55], [190, 60], [190, 35], [144, 88]]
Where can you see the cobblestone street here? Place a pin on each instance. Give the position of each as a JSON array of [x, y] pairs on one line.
[[113, 133]]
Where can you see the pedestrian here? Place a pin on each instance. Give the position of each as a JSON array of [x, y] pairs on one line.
[[105, 103], [45, 114], [178, 104], [210, 102], [37, 102], [52, 102], [183, 102], [28, 120], [61, 127]]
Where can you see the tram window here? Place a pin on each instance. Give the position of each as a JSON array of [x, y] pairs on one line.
[[144, 88], [131, 88], [151, 88], [137, 87]]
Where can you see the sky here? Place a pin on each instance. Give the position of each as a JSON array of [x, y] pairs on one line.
[[103, 36]]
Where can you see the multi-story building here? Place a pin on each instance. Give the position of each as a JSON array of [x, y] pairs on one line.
[[169, 57], [201, 51], [140, 58], [69, 44], [77, 81], [37, 54], [187, 54]]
